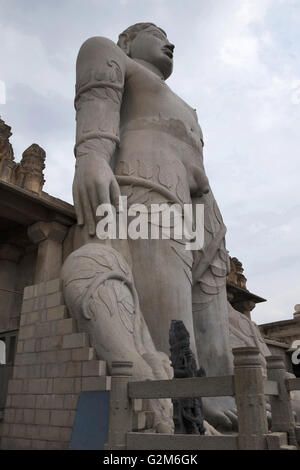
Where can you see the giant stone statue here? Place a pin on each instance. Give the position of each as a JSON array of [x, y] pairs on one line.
[[137, 138]]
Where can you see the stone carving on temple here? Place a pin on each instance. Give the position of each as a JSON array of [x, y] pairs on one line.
[[27, 174]]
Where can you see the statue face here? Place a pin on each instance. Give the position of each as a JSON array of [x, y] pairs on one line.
[[152, 46]]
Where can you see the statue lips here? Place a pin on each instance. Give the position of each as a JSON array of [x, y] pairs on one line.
[[168, 51]]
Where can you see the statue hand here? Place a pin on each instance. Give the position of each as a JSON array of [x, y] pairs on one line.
[[94, 184]]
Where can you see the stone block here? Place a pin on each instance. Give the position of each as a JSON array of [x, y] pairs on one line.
[[46, 357], [51, 343], [5, 429], [25, 359], [17, 430], [50, 402], [63, 356], [42, 417], [20, 346], [55, 433], [55, 370], [9, 415], [55, 445], [91, 384], [63, 418], [77, 385], [29, 416], [19, 416], [55, 285], [93, 368], [83, 354], [37, 386], [15, 386], [32, 318], [28, 292], [66, 326], [38, 444], [76, 340], [70, 402], [16, 444], [29, 345], [65, 434], [27, 306], [73, 369], [63, 385], [26, 332], [56, 313], [53, 300], [8, 401], [27, 372], [23, 401], [45, 329]]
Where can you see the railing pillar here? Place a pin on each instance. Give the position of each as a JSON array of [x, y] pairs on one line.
[[120, 416], [250, 399], [282, 412]]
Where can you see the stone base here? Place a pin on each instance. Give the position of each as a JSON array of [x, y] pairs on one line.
[[54, 364]]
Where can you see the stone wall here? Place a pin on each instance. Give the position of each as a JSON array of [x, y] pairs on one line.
[[54, 364]]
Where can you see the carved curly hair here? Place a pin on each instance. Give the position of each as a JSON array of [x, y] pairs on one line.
[[133, 31]]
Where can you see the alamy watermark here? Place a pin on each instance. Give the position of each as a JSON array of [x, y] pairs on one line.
[[296, 353], [2, 92], [157, 221]]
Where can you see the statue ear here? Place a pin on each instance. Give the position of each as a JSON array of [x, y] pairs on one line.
[[124, 43]]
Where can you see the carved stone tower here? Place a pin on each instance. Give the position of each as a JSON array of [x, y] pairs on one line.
[[7, 163], [30, 174]]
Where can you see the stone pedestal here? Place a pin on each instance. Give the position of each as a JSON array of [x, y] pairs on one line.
[[54, 364]]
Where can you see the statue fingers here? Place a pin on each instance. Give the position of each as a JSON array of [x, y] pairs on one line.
[[94, 200], [103, 194], [115, 193], [77, 204], [89, 216]]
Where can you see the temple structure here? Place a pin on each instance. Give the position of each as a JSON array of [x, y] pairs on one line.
[[33, 226]]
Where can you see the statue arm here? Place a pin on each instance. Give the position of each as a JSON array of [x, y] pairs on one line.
[[100, 76]]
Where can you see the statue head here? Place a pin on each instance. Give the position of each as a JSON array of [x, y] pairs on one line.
[[148, 42]]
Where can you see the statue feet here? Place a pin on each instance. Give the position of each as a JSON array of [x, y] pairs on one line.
[[221, 413]]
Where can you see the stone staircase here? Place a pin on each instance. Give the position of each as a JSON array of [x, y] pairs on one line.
[[54, 365]]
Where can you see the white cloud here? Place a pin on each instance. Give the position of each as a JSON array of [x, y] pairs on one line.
[[235, 61]]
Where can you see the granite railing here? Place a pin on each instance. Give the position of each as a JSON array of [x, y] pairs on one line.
[[247, 385]]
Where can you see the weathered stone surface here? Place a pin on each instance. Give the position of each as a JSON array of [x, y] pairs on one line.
[[48, 376], [160, 159]]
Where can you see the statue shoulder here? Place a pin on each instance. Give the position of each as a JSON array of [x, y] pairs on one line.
[[97, 53]]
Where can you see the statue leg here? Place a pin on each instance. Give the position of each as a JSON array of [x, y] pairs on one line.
[[100, 293], [162, 273], [211, 316], [214, 353]]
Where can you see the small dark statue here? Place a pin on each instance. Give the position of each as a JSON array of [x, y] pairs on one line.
[[188, 413]]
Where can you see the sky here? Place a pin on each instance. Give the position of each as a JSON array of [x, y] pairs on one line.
[[236, 61]]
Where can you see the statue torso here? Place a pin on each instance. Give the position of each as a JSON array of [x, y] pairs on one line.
[[158, 130]]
